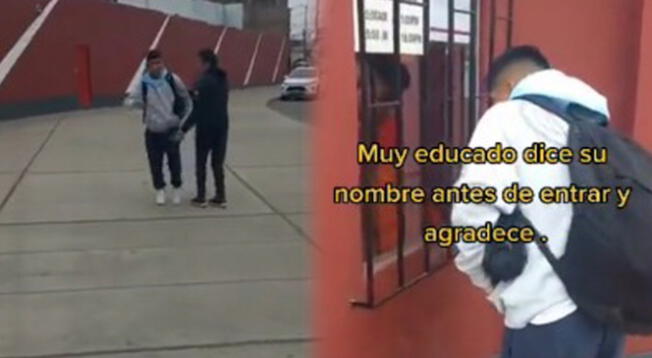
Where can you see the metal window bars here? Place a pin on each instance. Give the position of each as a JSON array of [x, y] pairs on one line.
[[456, 112], [494, 18]]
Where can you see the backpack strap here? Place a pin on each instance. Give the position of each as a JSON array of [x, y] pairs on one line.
[[569, 112], [519, 219], [556, 107], [560, 109], [143, 90], [545, 250], [170, 79], [179, 107]]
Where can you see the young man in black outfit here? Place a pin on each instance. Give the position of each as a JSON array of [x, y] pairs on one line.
[[211, 119]]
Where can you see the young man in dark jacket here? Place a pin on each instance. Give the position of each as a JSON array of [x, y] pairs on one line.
[[211, 119]]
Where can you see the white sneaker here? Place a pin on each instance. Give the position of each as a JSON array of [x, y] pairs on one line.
[[160, 197], [176, 196]]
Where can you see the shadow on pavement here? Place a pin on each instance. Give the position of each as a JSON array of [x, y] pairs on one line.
[[299, 110]]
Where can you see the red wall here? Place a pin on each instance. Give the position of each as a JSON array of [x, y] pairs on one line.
[[180, 43], [643, 124], [642, 131], [46, 68], [119, 37], [596, 40], [284, 66], [15, 17], [236, 53], [263, 71]]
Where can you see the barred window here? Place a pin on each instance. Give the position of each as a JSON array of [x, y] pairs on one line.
[[419, 67]]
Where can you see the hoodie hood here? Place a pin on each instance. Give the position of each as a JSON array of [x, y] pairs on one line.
[[567, 91], [155, 82], [218, 72]]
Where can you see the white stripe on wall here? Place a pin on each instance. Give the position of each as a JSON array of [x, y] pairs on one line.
[[253, 61], [23, 42], [278, 60], [218, 46], [136, 78]]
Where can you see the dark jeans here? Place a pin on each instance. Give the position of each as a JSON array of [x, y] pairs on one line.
[[575, 336], [215, 145], [159, 146]]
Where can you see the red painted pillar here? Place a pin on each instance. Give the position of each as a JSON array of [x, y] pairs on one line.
[[338, 265], [642, 126], [83, 74], [643, 121]]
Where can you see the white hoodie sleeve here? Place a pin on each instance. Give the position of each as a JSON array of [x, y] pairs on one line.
[[488, 132], [134, 98]]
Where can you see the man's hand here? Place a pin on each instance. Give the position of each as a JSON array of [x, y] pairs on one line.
[[132, 102], [177, 136]]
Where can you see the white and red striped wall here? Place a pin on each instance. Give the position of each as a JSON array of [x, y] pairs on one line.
[[37, 51]]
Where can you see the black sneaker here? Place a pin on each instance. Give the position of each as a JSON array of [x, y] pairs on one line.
[[199, 202], [218, 202]]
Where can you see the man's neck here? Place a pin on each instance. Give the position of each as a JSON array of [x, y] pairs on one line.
[[159, 76]]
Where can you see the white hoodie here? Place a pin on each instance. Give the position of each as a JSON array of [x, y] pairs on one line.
[[159, 115], [537, 296]]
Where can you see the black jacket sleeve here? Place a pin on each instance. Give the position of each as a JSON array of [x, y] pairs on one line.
[[211, 102], [191, 121], [201, 100]]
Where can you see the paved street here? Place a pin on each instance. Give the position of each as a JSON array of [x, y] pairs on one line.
[[89, 266], [297, 110]]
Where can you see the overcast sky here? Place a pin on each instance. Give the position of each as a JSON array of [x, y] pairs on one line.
[[298, 15], [438, 16]]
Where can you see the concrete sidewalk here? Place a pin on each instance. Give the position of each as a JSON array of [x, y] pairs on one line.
[[89, 266]]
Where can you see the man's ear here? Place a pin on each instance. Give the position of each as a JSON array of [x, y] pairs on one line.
[[509, 87]]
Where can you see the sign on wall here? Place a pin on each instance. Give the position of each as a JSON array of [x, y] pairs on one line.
[[379, 23], [412, 31]]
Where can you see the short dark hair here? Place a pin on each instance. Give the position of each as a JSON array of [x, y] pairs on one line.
[[512, 56], [208, 56], [154, 55]]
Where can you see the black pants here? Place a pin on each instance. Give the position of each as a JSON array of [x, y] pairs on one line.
[[159, 146], [575, 336], [215, 145]]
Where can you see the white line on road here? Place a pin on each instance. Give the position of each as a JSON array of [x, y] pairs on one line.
[[23, 42]]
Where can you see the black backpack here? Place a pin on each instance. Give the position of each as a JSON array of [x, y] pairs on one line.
[[179, 105], [607, 265]]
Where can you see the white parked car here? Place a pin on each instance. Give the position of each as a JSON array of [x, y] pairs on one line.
[[301, 83]]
